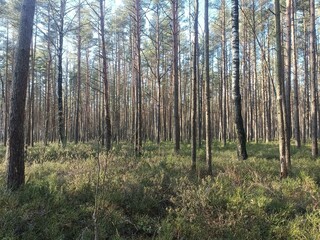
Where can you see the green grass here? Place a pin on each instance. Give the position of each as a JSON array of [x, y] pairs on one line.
[[80, 191]]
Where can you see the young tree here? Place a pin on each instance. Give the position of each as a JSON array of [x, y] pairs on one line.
[[241, 145], [15, 146]]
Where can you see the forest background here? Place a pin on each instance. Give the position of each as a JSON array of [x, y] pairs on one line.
[[124, 80]]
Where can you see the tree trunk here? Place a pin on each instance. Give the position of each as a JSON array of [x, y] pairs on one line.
[[176, 75], [62, 136], [15, 146], [194, 90], [207, 76], [288, 72], [296, 85], [137, 76], [241, 144], [313, 81], [108, 134], [78, 85], [280, 97]]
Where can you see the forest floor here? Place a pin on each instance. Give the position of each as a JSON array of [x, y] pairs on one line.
[[80, 191]]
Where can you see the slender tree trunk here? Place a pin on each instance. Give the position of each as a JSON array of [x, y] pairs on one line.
[[176, 75], [108, 134], [241, 144], [296, 85], [224, 76], [137, 75], [8, 87], [208, 93], [78, 85], [313, 81], [87, 124], [306, 114], [255, 103], [158, 77], [15, 147], [29, 137], [280, 97], [63, 139], [288, 71], [194, 90]]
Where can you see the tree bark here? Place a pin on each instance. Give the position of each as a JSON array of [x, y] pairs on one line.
[[295, 81], [176, 75], [194, 90], [108, 134], [208, 93], [137, 76], [63, 139], [241, 144], [313, 81], [78, 85], [280, 97], [288, 70], [15, 146]]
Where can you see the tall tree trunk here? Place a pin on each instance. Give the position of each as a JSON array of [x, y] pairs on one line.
[[295, 81], [207, 76], [62, 136], [313, 81], [288, 70], [48, 79], [29, 137], [15, 147], [255, 102], [78, 85], [137, 76], [176, 75], [280, 97], [108, 134], [87, 125], [241, 144], [224, 76], [306, 112], [158, 130], [194, 90], [8, 87]]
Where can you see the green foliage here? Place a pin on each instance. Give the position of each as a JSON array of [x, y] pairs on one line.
[[156, 197]]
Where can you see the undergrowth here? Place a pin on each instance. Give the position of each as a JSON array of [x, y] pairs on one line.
[[81, 191]]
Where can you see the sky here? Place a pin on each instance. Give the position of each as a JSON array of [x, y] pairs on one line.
[[117, 2]]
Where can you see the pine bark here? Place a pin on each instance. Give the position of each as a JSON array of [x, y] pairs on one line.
[[313, 81], [137, 76], [108, 133], [176, 75], [208, 93], [15, 145], [296, 111], [194, 90], [62, 136]]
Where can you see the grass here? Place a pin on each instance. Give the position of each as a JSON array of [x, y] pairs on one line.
[[80, 191]]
